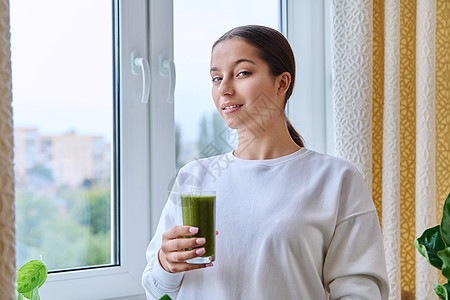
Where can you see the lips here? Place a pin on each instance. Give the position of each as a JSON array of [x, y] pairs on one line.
[[228, 108]]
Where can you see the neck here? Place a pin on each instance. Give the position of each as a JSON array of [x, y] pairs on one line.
[[271, 142]]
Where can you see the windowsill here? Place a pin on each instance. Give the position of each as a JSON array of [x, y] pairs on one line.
[[136, 297]]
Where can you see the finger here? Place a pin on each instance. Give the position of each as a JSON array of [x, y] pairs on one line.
[[175, 267], [179, 231], [182, 244], [183, 256]]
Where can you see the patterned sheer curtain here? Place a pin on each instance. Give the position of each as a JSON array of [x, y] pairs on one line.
[[391, 90], [7, 231]]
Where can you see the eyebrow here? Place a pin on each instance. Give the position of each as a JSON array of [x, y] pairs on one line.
[[236, 63]]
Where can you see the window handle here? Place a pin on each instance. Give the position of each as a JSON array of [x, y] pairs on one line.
[[142, 63], [167, 68]]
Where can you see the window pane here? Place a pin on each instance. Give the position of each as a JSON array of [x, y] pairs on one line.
[[200, 131], [62, 76]]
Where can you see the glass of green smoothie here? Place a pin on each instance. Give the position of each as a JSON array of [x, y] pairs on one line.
[[199, 210]]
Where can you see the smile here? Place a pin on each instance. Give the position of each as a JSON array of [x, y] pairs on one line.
[[232, 106], [228, 109]]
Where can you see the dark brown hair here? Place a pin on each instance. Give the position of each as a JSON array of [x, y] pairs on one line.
[[276, 51]]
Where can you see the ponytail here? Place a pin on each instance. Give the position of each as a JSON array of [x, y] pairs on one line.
[[293, 133]]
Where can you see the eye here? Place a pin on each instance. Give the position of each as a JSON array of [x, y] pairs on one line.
[[243, 73], [216, 79]]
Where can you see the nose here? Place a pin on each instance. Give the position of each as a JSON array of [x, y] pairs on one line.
[[226, 87]]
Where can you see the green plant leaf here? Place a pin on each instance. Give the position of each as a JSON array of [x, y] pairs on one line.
[[445, 222], [444, 255], [441, 291], [429, 243], [165, 297], [30, 276], [447, 287]]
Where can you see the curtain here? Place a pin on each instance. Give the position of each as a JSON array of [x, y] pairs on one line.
[[7, 231], [391, 92]]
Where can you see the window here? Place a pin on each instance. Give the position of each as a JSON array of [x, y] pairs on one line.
[[82, 137], [63, 132], [310, 108], [132, 143]]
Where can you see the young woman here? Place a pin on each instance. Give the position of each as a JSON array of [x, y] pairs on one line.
[[293, 223]]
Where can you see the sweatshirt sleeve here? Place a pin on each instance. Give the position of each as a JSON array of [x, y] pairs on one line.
[[156, 281], [355, 266]]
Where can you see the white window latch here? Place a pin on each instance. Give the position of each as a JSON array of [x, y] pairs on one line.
[[167, 68], [142, 64]]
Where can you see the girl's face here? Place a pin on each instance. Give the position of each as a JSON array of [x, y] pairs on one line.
[[244, 91]]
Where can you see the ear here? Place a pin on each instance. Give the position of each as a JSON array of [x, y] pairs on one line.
[[283, 83]]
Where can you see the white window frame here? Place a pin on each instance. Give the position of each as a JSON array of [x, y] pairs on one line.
[[306, 23], [146, 27], [147, 132]]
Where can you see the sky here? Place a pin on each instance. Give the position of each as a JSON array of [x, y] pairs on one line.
[[62, 65], [61, 55]]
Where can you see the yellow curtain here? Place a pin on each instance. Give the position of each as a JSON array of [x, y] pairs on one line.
[[7, 231], [391, 94], [408, 68]]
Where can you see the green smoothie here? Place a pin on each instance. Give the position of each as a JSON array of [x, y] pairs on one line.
[[199, 211]]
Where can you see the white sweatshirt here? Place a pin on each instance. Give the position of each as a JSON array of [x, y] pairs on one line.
[[301, 226]]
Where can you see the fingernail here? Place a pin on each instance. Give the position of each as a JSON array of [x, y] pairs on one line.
[[193, 230], [200, 241], [200, 251]]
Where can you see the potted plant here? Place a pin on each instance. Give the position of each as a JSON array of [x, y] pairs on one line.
[[434, 245], [30, 277]]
